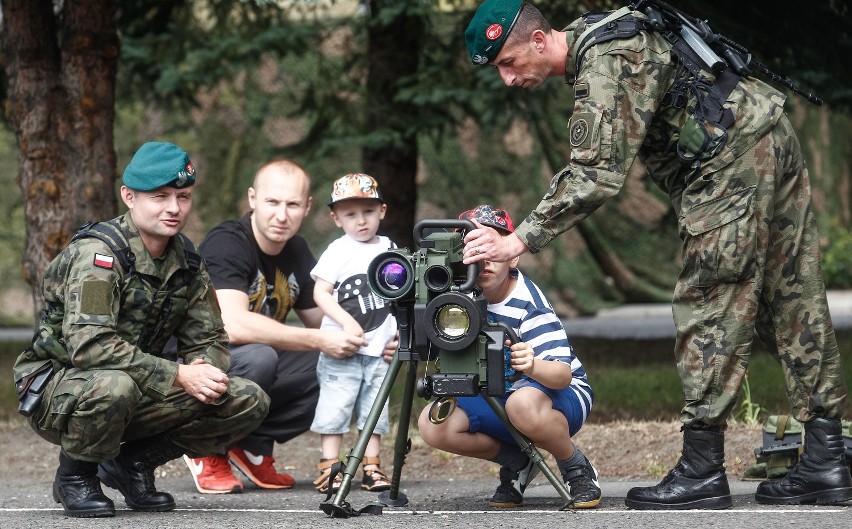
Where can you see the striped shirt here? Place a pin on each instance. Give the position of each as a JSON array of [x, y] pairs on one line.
[[528, 312]]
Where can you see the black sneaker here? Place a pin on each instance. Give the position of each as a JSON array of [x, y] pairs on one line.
[[507, 495], [525, 476], [582, 483]]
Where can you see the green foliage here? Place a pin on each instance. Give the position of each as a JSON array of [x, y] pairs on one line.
[[172, 49], [837, 256], [627, 386], [749, 411]]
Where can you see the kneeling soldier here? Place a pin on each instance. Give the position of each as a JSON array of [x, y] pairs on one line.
[[95, 380]]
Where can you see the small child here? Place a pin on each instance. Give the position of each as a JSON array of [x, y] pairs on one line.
[[548, 403], [351, 384]]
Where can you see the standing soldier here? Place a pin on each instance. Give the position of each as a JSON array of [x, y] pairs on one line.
[[94, 380], [721, 146]]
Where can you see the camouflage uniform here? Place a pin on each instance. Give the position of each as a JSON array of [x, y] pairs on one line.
[[750, 244], [104, 330]]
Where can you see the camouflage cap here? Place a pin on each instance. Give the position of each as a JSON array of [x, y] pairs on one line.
[[355, 185], [158, 164], [490, 216], [489, 28]]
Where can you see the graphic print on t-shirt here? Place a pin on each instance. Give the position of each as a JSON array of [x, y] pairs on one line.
[[355, 297], [273, 300]]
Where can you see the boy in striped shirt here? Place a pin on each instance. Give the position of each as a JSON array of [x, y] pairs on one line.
[[548, 403]]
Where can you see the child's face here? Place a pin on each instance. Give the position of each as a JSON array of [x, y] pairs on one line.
[[494, 279], [359, 218]]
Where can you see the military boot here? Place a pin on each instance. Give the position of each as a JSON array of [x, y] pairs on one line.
[[132, 473], [821, 475], [698, 481], [78, 489]]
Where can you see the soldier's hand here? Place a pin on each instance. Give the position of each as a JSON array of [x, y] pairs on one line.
[[340, 344], [487, 244], [203, 381]]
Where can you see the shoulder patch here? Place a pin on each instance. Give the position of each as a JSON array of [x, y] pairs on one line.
[[96, 297], [581, 90], [579, 131], [104, 261]]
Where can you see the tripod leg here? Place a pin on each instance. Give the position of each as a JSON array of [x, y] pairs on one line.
[[392, 497], [532, 452], [353, 459]]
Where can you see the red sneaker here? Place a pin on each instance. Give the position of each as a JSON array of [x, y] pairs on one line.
[[260, 469], [212, 475]]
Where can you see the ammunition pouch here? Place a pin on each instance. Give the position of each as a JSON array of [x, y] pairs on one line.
[[700, 140], [30, 388]]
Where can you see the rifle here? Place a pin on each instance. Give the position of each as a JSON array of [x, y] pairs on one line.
[[717, 51]]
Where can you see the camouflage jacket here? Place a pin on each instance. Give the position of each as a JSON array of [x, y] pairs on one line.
[[100, 316], [623, 110]]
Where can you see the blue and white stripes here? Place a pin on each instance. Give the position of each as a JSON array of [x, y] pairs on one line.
[[528, 312]]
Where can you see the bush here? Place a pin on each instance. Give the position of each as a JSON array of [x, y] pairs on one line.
[[837, 257]]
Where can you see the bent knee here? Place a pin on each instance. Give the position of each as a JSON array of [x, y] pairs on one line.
[[113, 385], [249, 395], [428, 431], [255, 362], [526, 412]]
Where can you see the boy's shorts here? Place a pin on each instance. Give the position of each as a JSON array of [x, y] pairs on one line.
[[482, 418], [349, 385]]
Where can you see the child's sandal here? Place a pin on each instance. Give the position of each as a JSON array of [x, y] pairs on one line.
[[374, 479], [321, 483]]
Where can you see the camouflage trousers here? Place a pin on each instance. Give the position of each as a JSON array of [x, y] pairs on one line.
[[751, 263], [89, 413]]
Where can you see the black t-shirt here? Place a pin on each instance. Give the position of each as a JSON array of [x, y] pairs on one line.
[[274, 283]]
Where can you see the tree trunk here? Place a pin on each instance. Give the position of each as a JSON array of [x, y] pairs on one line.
[[60, 104], [393, 47]]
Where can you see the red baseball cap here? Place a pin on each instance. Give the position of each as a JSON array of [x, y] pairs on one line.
[[490, 216]]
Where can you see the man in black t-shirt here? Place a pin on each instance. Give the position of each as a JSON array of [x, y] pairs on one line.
[[261, 269]]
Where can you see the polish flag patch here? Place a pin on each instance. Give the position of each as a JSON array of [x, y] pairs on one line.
[[104, 261]]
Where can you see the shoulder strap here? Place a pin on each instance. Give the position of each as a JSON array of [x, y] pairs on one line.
[[781, 426], [621, 24], [193, 258], [615, 25], [110, 234]]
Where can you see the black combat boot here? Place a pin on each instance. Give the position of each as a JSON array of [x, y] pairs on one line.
[[132, 473], [821, 475], [78, 489], [698, 481]]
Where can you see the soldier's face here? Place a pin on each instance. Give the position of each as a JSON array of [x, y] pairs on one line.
[[280, 201], [159, 214], [522, 64]]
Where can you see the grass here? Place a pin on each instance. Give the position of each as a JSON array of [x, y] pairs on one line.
[[652, 390], [643, 391]]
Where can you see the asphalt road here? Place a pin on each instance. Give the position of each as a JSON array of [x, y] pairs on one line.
[[432, 504]]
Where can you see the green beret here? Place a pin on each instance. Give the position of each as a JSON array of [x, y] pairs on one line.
[[158, 164], [489, 28]]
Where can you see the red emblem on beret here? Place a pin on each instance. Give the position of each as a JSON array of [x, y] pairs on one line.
[[494, 31]]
